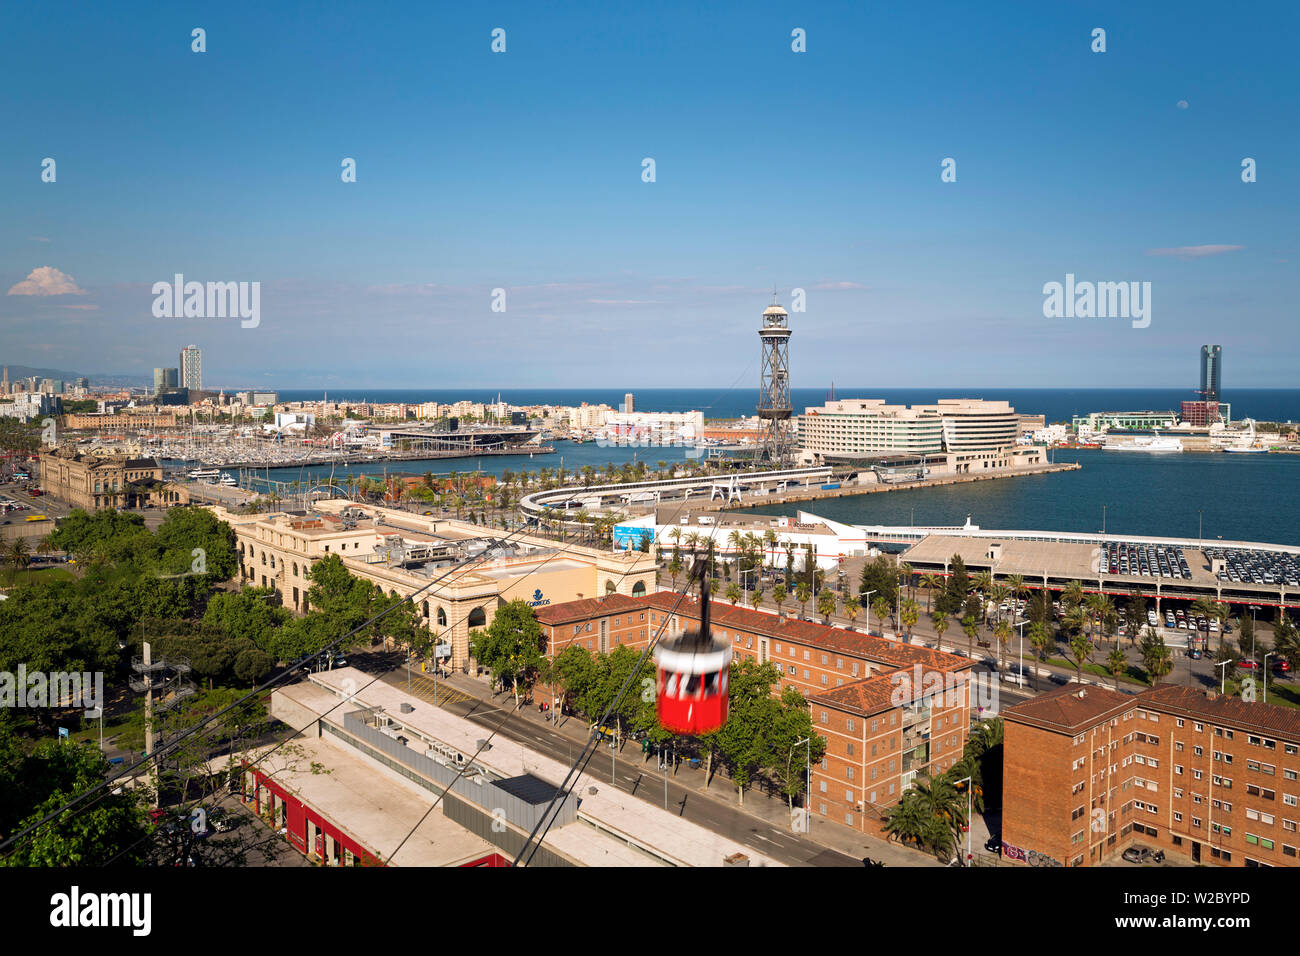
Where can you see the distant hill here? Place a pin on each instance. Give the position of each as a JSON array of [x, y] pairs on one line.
[[27, 371], [111, 379]]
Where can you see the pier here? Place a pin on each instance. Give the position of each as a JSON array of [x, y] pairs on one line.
[[852, 490]]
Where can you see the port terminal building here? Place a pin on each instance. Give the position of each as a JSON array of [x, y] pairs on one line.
[[418, 556]]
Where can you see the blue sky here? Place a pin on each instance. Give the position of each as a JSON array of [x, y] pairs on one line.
[[522, 171]]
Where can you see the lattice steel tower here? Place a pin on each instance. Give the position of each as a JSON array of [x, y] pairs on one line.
[[774, 387]]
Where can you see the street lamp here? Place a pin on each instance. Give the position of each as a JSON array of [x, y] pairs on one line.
[[1223, 677], [1200, 527], [807, 802], [866, 603]]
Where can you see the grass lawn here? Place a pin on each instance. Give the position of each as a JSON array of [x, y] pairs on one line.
[[1133, 675], [39, 575]]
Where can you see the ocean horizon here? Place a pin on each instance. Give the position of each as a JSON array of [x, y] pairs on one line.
[[1056, 404]]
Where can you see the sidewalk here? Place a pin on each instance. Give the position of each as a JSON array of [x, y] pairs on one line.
[[768, 808]]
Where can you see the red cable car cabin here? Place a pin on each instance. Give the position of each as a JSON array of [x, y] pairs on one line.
[[692, 677], [693, 686]]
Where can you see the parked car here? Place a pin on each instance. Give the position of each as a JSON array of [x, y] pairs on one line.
[[1247, 665], [1282, 665], [1142, 854], [994, 844]]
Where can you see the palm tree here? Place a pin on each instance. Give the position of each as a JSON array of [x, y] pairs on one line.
[[769, 547], [940, 620], [1116, 663], [1040, 639], [881, 608], [852, 608], [970, 626], [997, 596], [756, 598], [1080, 650], [733, 593], [930, 582], [1002, 631], [802, 594], [675, 567], [18, 556], [1073, 594], [911, 613], [826, 605], [1016, 584], [905, 572], [779, 596], [982, 582]]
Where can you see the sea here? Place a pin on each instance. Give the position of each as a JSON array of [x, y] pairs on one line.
[[1204, 496]]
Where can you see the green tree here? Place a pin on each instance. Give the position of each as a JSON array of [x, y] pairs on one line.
[[113, 827], [802, 594], [1081, 651], [511, 647], [1116, 663]]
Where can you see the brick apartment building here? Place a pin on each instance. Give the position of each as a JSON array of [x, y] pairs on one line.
[[1089, 771], [865, 693]]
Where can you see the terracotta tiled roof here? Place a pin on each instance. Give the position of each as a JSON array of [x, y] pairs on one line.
[[587, 608], [868, 696], [1270, 718], [877, 649], [1071, 708]]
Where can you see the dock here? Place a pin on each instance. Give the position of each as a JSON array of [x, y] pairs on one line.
[[850, 491]]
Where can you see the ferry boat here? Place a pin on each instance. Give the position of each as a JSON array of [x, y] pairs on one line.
[[1251, 450], [204, 474], [1155, 442]]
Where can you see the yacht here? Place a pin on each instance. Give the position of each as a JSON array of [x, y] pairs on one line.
[[1155, 442], [228, 479]]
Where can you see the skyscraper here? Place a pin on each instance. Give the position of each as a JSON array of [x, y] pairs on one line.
[[628, 402], [163, 378], [191, 368], [1211, 370]]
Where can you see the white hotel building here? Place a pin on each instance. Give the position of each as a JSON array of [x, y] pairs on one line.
[[953, 436]]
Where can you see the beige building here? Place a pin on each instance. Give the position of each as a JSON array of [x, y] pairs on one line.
[[954, 436], [106, 481], [124, 419], [415, 556]]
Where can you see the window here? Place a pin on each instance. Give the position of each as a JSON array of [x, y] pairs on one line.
[[1289, 799], [849, 724], [1178, 770], [823, 786], [825, 717], [850, 749], [1196, 821], [849, 773]]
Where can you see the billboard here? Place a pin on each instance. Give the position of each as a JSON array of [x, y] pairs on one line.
[[628, 537]]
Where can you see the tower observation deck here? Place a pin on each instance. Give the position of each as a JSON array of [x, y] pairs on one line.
[[774, 411]]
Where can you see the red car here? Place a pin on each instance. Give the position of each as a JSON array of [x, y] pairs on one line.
[[1247, 665], [1283, 665]]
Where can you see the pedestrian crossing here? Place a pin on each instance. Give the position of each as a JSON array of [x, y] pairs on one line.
[[423, 688]]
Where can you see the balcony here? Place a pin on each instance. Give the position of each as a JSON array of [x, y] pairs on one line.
[[913, 716], [916, 735], [916, 758]]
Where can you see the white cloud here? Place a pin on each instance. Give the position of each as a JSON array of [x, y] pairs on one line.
[[1193, 252], [839, 285], [47, 280]]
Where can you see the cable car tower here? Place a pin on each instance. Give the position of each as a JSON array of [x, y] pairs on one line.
[[774, 409]]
